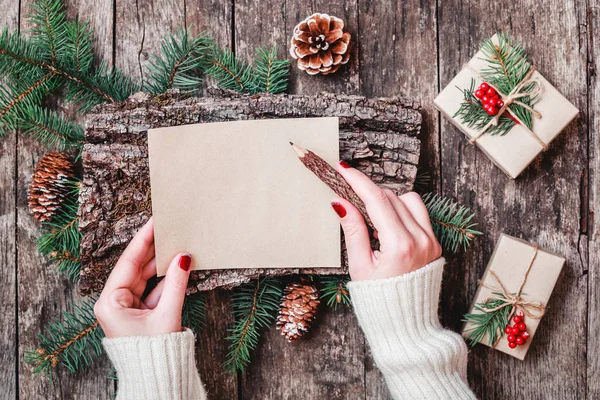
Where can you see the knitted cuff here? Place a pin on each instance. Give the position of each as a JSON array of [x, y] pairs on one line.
[[399, 306], [156, 367]]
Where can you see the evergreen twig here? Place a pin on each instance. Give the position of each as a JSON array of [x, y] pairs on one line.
[[333, 290], [230, 72], [271, 74], [73, 342], [452, 224], [490, 323], [193, 312], [506, 67], [180, 63], [51, 129], [61, 237], [254, 306]]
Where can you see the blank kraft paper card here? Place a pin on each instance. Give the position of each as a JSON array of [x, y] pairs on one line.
[[235, 195]]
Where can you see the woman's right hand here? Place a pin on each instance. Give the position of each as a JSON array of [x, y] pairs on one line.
[[407, 241]]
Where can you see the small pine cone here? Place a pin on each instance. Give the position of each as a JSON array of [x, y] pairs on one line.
[[298, 309], [49, 186], [320, 44]]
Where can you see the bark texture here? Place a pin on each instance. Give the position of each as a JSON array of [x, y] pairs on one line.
[[378, 136]]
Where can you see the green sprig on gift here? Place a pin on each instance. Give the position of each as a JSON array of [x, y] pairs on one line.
[[489, 319], [506, 67]]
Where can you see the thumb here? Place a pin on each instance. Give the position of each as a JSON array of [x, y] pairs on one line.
[[173, 294]]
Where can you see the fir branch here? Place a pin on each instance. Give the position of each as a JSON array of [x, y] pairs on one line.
[[451, 223], [75, 342], [230, 72], [193, 312], [51, 129], [18, 95], [79, 48], [49, 32], [474, 116], [104, 84], [255, 306], [484, 323], [333, 290], [507, 63], [61, 237], [271, 74], [180, 63]]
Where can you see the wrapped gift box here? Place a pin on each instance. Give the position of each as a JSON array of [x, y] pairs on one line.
[[509, 263], [514, 151]]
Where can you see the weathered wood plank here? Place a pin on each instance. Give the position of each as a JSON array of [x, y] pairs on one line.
[[8, 266], [398, 56], [543, 205], [214, 17], [591, 220], [140, 28], [329, 363], [43, 294]]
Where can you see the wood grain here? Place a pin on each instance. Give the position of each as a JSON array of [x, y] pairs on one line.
[[402, 48], [543, 205], [43, 294], [398, 55], [590, 218], [8, 263]]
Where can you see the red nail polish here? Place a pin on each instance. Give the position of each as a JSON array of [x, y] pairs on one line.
[[185, 261], [345, 164], [339, 209]]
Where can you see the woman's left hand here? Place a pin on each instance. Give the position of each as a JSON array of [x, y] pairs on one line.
[[121, 310]]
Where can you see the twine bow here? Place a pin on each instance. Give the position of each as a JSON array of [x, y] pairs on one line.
[[532, 309], [513, 98]]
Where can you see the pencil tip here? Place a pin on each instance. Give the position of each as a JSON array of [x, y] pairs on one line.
[[291, 143]]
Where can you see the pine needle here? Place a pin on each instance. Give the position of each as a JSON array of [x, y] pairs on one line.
[[61, 237], [452, 224], [193, 312], [333, 290], [255, 306], [271, 75], [506, 66], [180, 63], [74, 342], [50, 128], [230, 72], [491, 324]]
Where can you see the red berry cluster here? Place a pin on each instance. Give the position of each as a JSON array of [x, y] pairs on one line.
[[490, 100], [517, 333]]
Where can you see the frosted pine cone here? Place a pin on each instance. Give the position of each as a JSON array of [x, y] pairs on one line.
[[320, 45], [298, 308], [49, 186]]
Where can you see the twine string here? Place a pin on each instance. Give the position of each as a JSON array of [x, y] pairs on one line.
[[532, 309], [511, 99]]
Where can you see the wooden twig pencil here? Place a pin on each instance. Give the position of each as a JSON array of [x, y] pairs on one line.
[[332, 178]]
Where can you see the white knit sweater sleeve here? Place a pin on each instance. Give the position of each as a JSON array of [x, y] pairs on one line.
[[156, 367], [417, 356]]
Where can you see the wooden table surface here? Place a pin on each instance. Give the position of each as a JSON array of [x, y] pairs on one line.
[[408, 47]]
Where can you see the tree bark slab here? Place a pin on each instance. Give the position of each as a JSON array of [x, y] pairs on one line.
[[377, 136]]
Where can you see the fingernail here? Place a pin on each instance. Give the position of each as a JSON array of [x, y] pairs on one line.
[[345, 164], [339, 209], [184, 261]]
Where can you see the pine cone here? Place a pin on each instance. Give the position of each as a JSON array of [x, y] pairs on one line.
[[320, 44], [297, 310], [49, 187]]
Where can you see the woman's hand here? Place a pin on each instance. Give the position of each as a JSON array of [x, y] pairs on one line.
[[121, 310], [406, 238]]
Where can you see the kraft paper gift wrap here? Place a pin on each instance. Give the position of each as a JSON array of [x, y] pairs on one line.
[[514, 151], [235, 195], [509, 262]]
